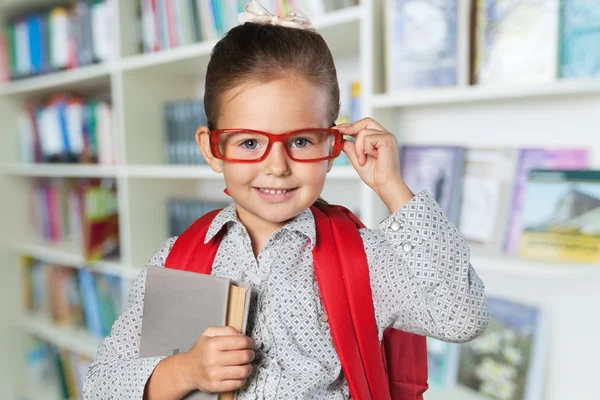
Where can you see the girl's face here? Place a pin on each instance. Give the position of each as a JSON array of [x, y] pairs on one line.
[[276, 107]]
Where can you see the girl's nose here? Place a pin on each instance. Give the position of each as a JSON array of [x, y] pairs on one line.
[[277, 162]]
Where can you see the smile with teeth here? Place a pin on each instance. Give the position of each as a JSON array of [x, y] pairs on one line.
[[273, 191]]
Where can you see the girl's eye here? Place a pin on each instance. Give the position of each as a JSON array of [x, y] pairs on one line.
[[250, 144], [300, 142]]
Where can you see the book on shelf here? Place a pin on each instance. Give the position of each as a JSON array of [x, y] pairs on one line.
[[507, 362], [350, 112], [442, 363], [486, 195], [59, 37], [76, 213], [529, 159], [67, 129], [183, 212], [516, 41], [181, 120], [437, 169], [561, 216], [201, 301], [72, 297], [580, 35], [53, 371], [427, 43]]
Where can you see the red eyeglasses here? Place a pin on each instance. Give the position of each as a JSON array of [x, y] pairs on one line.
[[303, 145]]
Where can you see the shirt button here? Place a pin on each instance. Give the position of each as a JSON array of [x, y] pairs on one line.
[[324, 317], [395, 226], [407, 247]]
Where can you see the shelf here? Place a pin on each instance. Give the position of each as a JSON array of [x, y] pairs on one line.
[[76, 340], [472, 94], [88, 78], [514, 265], [454, 393], [171, 172], [60, 170], [70, 257]]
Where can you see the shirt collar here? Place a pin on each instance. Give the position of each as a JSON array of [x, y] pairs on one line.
[[303, 223]]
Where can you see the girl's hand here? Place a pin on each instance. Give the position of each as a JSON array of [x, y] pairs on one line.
[[374, 155], [219, 361]]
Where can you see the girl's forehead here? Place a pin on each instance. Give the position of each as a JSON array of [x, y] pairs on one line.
[[276, 106]]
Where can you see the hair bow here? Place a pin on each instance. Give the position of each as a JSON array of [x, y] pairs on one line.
[[255, 12]]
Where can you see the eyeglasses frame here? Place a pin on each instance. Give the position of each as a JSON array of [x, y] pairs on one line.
[[274, 138]]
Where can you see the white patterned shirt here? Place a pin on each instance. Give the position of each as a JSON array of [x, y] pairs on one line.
[[421, 280]]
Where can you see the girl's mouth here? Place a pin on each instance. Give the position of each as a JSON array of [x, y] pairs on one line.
[[275, 194]]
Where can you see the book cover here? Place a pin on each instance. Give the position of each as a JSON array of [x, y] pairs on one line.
[[529, 159], [516, 41], [487, 189], [561, 216], [165, 332], [580, 35], [439, 170], [507, 361], [423, 50]]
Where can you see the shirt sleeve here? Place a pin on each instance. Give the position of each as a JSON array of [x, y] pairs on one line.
[[421, 277], [118, 372]]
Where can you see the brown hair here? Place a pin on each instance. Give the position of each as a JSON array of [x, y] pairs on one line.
[[263, 53]]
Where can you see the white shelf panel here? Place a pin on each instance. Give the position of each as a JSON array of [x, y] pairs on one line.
[[70, 257], [150, 60], [87, 77], [171, 172], [455, 393], [513, 265], [471, 94], [60, 170], [76, 340]]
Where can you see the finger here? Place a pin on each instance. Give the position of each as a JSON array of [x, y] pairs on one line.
[[360, 144], [220, 331], [237, 357], [365, 123], [374, 143], [350, 150], [239, 342], [237, 372], [230, 385]]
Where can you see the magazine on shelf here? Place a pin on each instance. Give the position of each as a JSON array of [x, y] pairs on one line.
[[507, 362], [561, 217]]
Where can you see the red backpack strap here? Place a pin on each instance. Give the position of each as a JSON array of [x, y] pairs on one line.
[[331, 284], [189, 252], [355, 275]]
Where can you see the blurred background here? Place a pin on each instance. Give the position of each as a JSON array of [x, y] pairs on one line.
[[495, 104]]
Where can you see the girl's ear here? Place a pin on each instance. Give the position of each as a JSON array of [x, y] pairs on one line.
[[329, 165], [203, 142]]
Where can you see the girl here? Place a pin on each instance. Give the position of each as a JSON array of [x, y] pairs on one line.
[[266, 77]]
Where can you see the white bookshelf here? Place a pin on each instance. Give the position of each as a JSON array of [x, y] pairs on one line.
[[562, 113]]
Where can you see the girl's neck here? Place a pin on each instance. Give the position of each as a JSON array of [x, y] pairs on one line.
[[258, 229]]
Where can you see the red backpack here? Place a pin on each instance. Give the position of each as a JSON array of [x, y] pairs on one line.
[[395, 369]]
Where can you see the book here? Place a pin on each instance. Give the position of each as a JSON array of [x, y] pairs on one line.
[[507, 361], [529, 159], [439, 170], [422, 43], [561, 216], [487, 190], [516, 41], [442, 363], [180, 305], [580, 35]]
